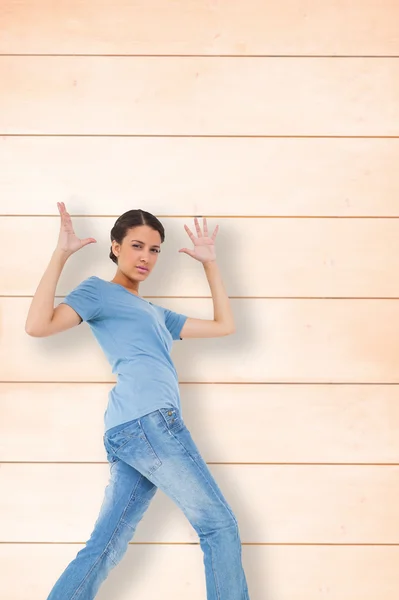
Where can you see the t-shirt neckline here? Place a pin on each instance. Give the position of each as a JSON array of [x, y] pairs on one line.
[[126, 290]]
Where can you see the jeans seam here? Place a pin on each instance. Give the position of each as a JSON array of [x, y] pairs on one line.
[[205, 479], [115, 452], [213, 568], [213, 491], [150, 447], [105, 551]]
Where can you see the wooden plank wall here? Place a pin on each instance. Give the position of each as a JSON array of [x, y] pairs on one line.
[[280, 122]]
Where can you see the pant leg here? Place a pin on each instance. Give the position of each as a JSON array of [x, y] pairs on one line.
[[127, 496], [160, 446]]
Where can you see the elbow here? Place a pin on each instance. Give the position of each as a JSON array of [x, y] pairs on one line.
[[230, 331], [33, 332]]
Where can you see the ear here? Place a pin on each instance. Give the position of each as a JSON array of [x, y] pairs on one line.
[[115, 248]]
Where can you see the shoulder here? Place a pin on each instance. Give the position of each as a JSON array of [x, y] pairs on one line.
[[86, 298], [88, 290], [93, 282]]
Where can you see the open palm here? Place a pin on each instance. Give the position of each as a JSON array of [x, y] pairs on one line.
[[68, 241], [204, 246]]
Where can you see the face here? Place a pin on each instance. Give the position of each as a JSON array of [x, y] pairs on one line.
[[140, 246]]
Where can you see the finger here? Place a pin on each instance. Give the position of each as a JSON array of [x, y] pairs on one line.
[[88, 241], [187, 251], [205, 225], [190, 233], [214, 234], [63, 208], [197, 227], [67, 223]]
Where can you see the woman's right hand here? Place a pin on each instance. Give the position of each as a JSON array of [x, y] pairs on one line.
[[68, 242]]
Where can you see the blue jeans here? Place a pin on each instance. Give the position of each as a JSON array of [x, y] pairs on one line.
[[157, 451]]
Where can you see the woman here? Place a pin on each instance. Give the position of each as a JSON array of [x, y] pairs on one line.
[[147, 442]]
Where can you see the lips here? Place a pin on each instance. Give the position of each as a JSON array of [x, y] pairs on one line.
[[144, 269]]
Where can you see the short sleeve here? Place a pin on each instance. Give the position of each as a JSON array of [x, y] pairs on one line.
[[174, 322], [85, 299]]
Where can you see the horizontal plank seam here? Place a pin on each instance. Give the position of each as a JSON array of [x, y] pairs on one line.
[[166, 216], [193, 135], [107, 382], [296, 464], [245, 297], [167, 55], [358, 544]]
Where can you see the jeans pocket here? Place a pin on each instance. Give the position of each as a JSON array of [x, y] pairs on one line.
[[146, 453], [111, 457], [131, 444], [115, 441]]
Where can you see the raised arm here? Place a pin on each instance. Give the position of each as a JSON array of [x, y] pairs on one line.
[[223, 321], [43, 319]]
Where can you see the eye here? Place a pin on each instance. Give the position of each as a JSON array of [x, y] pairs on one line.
[[157, 250]]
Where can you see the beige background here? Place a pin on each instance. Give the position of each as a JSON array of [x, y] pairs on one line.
[[280, 122]]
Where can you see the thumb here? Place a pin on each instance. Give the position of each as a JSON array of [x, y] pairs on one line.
[[87, 241], [187, 251]]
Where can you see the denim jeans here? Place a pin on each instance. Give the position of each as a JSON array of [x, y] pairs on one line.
[[157, 451]]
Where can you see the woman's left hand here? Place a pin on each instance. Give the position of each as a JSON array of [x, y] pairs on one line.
[[204, 247]]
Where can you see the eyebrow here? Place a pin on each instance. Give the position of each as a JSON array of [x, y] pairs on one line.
[[154, 245]]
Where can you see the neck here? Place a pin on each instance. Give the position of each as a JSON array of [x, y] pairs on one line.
[[121, 279]]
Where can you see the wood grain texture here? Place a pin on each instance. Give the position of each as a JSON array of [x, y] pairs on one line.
[[210, 176], [235, 111], [199, 96], [264, 423], [285, 341], [348, 27], [282, 572], [337, 258]]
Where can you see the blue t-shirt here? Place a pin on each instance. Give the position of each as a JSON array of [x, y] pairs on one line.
[[136, 337]]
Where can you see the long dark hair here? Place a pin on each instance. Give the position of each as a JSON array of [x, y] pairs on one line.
[[133, 218]]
